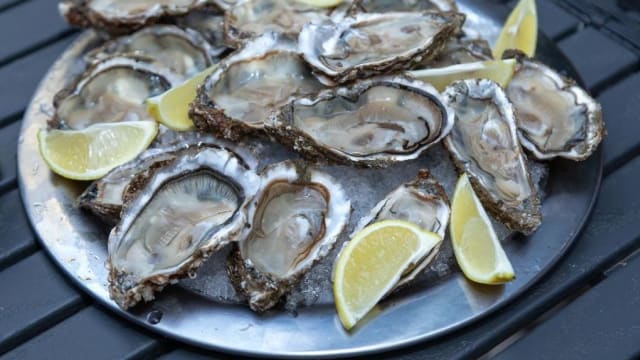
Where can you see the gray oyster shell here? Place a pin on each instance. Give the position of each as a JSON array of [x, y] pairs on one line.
[[384, 6], [111, 90], [296, 218], [556, 117], [484, 144], [251, 18], [462, 51], [421, 201], [106, 196], [183, 51], [122, 17], [370, 123], [372, 44], [237, 98], [210, 24], [187, 211]]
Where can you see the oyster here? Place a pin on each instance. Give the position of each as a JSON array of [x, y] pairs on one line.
[[188, 209], [371, 123], [248, 85], [421, 201], [210, 25], [184, 52], [384, 6], [296, 218], [111, 90], [556, 118], [462, 51], [122, 17], [484, 144], [370, 44], [252, 18]]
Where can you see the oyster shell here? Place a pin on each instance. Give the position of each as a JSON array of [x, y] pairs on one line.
[[111, 90], [184, 52], [384, 6], [372, 122], [421, 201], [371, 44], [122, 17], [252, 18], [556, 118], [484, 144], [462, 51], [210, 25], [248, 85], [188, 210], [296, 218]]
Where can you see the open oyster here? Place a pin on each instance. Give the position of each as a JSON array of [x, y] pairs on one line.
[[184, 52], [248, 85], [556, 118], [296, 218], [484, 144], [189, 209], [121, 17], [370, 44], [251, 18], [111, 90], [210, 24], [462, 51], [370, 123], [421, 201], [384, 6]]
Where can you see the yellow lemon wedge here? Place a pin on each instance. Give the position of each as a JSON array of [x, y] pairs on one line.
[[371, 264], [90, 153], [520, 31], [321, 3], [171, 108], [475, 243], [500, 71]]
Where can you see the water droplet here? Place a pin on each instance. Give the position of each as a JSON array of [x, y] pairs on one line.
[[154, 317]]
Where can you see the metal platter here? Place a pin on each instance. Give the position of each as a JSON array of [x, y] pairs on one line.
[[428, 309]]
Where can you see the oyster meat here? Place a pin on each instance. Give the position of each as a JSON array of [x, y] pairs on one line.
[[484, 144], [421, 201], [295, 219], [122, 17], [184, 52], [252, 18], [372, 122], [111, 90], [188, 210], [384, 6], [556, 118], [239, 95], [462, 51], [210, 25], [370, 44]]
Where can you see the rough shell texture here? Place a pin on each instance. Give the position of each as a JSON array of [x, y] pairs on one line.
[[372, 44], [239, 95], [462, 51], [484, 144], [96, 95], [123, 17], [296, 219], [383, 6], [369, 123], [556, 117], [187, 211]]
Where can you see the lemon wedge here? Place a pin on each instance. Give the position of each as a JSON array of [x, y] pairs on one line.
[[321, 3], [475, 243], [520, 31], [171, 108], [90, 153], [371, 264], [500, 71]]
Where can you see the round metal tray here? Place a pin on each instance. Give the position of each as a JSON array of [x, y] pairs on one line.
[[76, 242]]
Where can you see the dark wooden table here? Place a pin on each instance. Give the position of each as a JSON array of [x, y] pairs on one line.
[[587, 307]]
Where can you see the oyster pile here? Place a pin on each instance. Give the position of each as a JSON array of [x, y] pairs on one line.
[[331, 86]]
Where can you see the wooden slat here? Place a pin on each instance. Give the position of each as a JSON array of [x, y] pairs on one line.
[[555, 21], [29, 25], [19, 79], [16, 238], [35, 295], [89, 334], [8, 147], [604, 323]]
